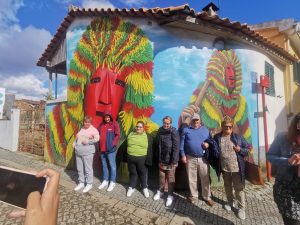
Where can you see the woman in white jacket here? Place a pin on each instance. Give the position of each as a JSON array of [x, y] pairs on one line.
[[84, 152]]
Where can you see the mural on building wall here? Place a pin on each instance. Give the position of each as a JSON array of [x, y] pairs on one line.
[[110, 66], [220, 94], [110, 69]]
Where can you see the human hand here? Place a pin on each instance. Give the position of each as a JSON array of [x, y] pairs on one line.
[[42, 209], [205, 145], [237, 148], [84, 142], [184, 159], [188, 112], [91, 137], [294, 160]]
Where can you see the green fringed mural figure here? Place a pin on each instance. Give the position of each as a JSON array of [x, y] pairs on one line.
[[220, 95], [111, 69]]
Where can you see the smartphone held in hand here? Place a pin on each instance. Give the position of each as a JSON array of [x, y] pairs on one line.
[[16, 185]]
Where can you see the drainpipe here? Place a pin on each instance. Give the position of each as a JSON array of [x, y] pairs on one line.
[[264, 83], [290, 72], [55, 84], [50, 83]]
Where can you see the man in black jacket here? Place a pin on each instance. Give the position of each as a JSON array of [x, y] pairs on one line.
[[168, 154]]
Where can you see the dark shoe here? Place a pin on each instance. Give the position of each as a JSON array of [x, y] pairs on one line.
[[191, 199], [210, 202]]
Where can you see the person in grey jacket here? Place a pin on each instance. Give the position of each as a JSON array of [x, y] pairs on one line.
[[84, 152], [284, 155], [168, 155]]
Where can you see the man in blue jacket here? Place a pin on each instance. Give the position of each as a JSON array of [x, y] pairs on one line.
[[193, 147]]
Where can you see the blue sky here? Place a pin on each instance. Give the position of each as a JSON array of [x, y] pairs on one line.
[[27, 26]]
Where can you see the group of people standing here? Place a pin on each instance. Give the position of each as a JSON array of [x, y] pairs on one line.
[[192, 144], [197, 150], [225, 152]]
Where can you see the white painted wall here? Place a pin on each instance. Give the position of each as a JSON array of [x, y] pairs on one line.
[[276, 114], [9, 134]]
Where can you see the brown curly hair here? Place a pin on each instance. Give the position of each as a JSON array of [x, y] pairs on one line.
[[293, 132]]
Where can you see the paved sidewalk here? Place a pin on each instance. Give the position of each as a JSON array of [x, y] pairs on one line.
[[101, 207]]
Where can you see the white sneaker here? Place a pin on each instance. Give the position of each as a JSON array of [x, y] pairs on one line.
[[130, 191], [146, 192], [227, 207], [158, 195], [79, 186], [103, 184], [111, 186], [87, 188], [169, 200], [242, 214]]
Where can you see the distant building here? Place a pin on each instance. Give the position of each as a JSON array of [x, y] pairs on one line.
[[32, 126], [286, 34]]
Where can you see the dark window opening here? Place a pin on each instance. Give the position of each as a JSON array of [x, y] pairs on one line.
[[269, 71]]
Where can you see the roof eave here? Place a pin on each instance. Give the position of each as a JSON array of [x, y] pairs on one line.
[[163, 14]]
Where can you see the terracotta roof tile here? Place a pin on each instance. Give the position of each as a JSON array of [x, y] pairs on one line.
[[158, 12]]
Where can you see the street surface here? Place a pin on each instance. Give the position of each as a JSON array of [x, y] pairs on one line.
[[101, 207]]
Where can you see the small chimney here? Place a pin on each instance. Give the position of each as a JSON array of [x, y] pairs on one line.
[[211, 9]]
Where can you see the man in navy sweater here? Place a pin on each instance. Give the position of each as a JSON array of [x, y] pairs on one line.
[[193, 144]]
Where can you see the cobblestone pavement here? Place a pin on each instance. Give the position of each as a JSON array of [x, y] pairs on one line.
[[101, 207]]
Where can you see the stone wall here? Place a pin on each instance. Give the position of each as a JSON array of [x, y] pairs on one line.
[[32, 126]]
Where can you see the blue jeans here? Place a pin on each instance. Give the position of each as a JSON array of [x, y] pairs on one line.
[[109, 160]]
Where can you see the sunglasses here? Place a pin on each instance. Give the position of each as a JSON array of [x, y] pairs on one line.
[[166, 123], [227, 127]]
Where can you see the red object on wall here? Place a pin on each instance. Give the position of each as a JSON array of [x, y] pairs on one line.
[[264, 81]]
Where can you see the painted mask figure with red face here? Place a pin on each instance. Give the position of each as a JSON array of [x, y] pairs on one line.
[[230, 78], [104, 93], [221, 95]]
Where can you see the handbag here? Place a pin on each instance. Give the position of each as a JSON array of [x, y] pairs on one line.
[[253, 172]]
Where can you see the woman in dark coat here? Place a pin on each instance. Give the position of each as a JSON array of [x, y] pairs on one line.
[[168, 155]]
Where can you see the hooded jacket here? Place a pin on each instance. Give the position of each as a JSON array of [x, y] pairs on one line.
[[109, 133]]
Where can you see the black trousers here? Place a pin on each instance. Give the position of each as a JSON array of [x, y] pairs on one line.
[[288, 221], [137, 169]]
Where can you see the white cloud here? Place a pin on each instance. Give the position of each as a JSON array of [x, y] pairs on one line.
[[170, 105], [25, 86], [161, 98], [63, 94], [20, 49], [97, 4], [134, 2], [8, 11]]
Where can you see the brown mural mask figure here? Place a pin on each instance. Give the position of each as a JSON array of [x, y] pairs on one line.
[[104, 93], [230, 78]]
